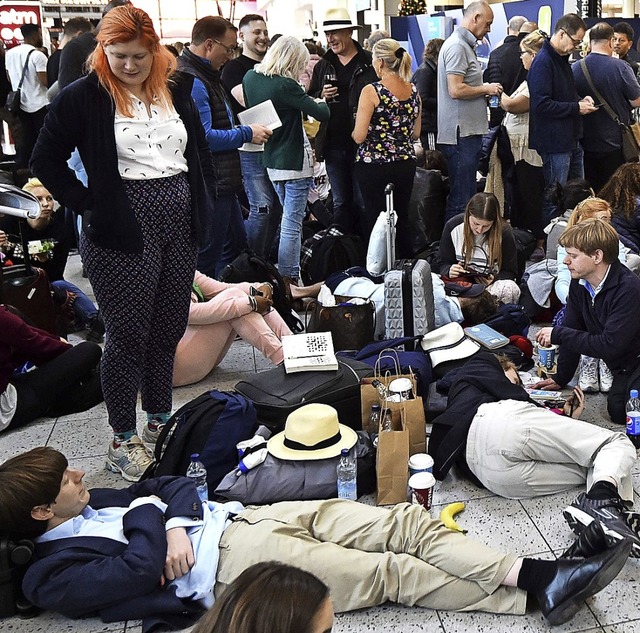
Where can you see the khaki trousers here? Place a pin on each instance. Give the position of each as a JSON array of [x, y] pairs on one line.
[[518, 450], [368, 555]]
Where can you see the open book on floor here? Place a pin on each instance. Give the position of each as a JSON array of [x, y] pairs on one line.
[[309, 352]]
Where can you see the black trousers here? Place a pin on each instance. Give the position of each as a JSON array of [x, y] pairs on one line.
[[67, 384], [372, 179], [600, 166], [623, 382], [526, 212]]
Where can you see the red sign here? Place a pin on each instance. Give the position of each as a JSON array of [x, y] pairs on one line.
[[13, 15]]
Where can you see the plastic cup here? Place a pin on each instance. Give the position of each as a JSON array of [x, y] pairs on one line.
[[421, 486], [402, 387], [547, 356], [420, 463]]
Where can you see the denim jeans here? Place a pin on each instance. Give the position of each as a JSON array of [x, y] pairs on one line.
[[293, 196], [264, 208], [227, 236], [83, 307], [560, 167], [462, 161], [347, 201]]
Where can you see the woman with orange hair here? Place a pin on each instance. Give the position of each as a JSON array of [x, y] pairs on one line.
[[142, 145]]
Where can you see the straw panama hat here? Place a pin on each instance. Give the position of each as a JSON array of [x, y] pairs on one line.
[[312, 432], [336, 19]]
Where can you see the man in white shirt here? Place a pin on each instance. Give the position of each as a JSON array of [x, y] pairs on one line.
[[33, 97]]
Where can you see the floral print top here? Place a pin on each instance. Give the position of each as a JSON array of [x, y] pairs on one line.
[[390, 133]]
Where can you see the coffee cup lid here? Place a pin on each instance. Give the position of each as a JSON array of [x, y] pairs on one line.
[[399, 385], [421, 460], [423, 480]]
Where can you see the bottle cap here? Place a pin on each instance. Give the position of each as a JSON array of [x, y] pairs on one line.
[[195, 457], [375, 407], [344, 452], [634, 393]]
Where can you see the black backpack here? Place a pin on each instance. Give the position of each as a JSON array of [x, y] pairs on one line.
[[330, 251], [210, 425], [250, 267]]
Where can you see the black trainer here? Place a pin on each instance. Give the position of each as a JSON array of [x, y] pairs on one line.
[[96, 329], [610, 513]]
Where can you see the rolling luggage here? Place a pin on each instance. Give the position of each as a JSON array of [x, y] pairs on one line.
[[408, 291], [27, 289], [275, 394]]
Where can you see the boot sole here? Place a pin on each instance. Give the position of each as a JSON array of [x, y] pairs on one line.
[[565, 611], [578, 520]]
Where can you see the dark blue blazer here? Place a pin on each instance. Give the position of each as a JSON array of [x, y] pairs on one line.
[[95, 576]]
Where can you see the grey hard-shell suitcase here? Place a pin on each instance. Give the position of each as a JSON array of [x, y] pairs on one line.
[[408, 290]]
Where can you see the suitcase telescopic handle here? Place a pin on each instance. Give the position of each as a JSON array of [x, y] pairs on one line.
[[390, 228]]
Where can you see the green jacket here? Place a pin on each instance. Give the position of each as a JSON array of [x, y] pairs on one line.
[[284, 150]]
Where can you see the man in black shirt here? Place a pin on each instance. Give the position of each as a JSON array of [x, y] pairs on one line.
[[351, 65], [264, 208]]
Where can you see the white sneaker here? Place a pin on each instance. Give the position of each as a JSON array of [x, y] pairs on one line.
[[606, 377], [131, 459], [588, 381], [150, 436]]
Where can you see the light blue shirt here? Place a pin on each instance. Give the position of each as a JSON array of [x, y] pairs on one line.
[[204, 535], [563, 280]]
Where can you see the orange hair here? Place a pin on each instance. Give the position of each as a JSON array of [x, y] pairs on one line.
[[125, 24]]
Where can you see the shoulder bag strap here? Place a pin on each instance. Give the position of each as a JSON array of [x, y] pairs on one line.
[[24, 69], [610, 111]]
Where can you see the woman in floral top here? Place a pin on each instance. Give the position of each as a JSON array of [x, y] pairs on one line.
[[387, 123]]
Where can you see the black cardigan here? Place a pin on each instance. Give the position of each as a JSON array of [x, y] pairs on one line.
[[82, 116]]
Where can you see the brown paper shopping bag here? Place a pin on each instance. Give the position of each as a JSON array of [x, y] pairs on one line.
[[391, 462]]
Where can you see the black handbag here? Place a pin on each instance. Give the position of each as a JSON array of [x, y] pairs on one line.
[[12, 103], [352, 325], [275, 394]]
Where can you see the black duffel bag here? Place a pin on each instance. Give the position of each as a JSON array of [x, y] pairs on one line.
[[275, 394]]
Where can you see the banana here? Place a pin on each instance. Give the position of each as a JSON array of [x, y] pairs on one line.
[[447, 514]]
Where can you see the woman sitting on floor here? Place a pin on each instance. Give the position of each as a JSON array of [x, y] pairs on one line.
[[65, 380], [218, 313]]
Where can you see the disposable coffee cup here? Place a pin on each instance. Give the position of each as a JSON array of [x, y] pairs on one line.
[[547, 356], [421, 486], [402, 387], [420, 463]]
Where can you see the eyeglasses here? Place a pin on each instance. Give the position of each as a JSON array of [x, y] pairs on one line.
[[576, 42], [230, 49]]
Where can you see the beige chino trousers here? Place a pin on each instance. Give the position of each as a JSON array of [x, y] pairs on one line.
[[368, 555], [518, 450]]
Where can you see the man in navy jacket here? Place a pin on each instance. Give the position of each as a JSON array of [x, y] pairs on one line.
[[601, 318], [153, 551], [555, 127]]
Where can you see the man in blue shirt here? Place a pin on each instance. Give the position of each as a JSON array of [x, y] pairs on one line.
[[213, 43], [555, 126], [154, 551], [616, 84]]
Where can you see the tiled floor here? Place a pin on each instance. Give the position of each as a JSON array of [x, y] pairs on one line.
[[533, 527]]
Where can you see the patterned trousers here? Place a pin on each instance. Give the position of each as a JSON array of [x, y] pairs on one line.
[[144, 299]]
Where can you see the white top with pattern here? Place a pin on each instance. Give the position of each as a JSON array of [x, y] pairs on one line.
[[150, 147]]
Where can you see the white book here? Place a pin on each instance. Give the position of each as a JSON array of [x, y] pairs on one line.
[[264, 114], [309, 352]]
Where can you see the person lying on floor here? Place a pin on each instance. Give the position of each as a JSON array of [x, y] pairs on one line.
[[154, 551], [65, 379], [218, 312], [504, 441]]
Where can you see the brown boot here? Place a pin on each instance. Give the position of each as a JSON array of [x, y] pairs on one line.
[[296, 304]]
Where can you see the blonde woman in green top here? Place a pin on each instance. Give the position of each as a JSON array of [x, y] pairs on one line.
[[287, 155]]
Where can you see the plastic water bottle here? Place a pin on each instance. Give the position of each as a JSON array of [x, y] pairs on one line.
[[374, 418], [198, 474], [347, 471], [633, 418]]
